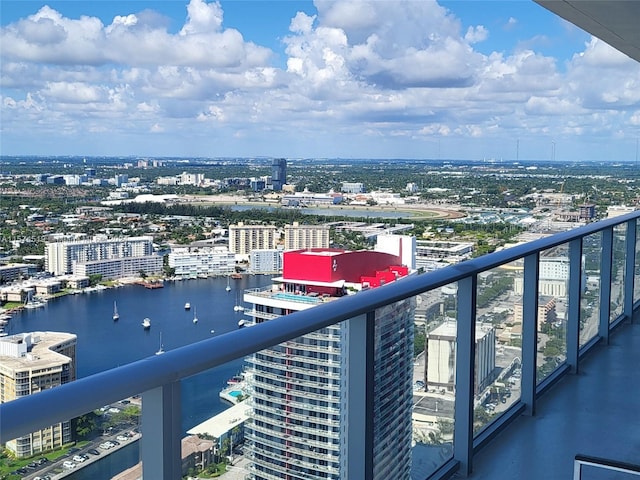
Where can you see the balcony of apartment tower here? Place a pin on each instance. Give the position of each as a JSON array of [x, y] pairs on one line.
[[511, 383]]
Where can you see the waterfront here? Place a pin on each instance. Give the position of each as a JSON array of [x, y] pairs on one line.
[[103, 343]]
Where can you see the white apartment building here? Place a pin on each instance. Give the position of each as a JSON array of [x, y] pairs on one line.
[[30, 363], [404, 246], [617, 210], [412, 187], [298, 236], [120, 267], [171, 181], [441, 354], [553, 277], [265, 261], [60, 257], [352, 187], [301, 411], [245, 238], [202, 262], [191, 178]]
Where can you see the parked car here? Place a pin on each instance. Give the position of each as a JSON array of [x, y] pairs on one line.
[[68, 465], [93, 451]]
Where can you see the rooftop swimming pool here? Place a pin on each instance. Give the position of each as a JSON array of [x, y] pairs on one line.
[[296, 298]]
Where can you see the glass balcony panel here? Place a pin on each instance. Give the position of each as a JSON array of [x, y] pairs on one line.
[[215, 409], [593, 472], [434, 379], [498, 342], [553, 291], [590, 293], [636, 283], [617, 272]]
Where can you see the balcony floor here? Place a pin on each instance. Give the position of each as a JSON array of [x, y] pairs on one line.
[[595, 413]]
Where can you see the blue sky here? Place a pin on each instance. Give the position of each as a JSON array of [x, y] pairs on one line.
[[381, 79]]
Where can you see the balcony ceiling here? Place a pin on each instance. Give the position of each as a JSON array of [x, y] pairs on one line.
[[616, 22]]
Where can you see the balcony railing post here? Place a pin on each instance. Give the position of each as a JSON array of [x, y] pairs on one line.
[[160, 447], [575, 292], [465, 368], [359, 396], [606, 260], [629, 269], [530, 332]]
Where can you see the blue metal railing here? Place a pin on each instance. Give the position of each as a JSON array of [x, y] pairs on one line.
[[158, 377]]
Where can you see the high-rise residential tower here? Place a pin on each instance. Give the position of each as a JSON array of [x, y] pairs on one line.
[[302, 414]]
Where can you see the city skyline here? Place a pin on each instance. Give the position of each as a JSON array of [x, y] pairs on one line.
[[298, 79]]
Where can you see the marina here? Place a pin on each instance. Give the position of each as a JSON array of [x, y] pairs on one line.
[[104, 343]]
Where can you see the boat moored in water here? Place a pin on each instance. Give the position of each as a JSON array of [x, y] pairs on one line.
[[161, 349], [146, 323]]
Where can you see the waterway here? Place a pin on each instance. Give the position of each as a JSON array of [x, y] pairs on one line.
[[103, 343]]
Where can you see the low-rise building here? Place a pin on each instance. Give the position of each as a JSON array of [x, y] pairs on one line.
[[265, 261], [120, 267], [201, 262], [16, 271]]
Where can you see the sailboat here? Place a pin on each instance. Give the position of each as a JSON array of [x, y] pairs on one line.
[[116, 315], [228, 287], [161, 349], [238, 307], [30, 302], [195, 317]]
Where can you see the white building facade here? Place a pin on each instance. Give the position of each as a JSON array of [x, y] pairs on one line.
[[441, 353], [298, 236], [202, 262], [244, 238], [265, 261], [60, 257], [30, 363], [120, 267]]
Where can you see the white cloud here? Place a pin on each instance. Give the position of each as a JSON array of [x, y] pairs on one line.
[[405, 69], [476, 34], [64, 92], [202, 18]]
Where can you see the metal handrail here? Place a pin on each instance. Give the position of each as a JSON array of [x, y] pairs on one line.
[[34, 412], [604, 464]]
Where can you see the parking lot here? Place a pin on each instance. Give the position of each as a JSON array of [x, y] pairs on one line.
[[76, 458]]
